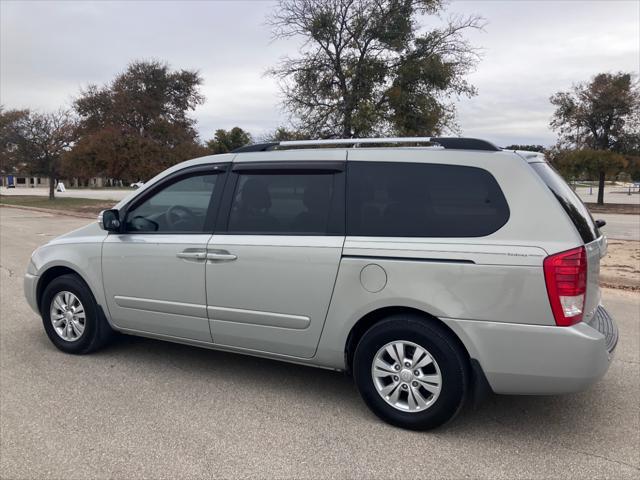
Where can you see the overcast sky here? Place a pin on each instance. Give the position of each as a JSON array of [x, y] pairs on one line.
[[51, 49]]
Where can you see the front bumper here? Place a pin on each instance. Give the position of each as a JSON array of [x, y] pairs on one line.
[[30, 285], [537, 359]]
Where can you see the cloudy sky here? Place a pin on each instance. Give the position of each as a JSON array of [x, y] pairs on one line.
[[50, 49]]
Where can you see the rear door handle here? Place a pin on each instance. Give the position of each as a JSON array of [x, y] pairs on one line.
[[220, 256]]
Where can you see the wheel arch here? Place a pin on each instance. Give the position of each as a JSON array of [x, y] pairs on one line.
[[51, 273], [370, 319]]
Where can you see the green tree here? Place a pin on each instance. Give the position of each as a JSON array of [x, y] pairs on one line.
[[10, 121], [225, 141], [38, 141], [588, 163], [633, 167], [601, 116], [366, 67], [527, 148], [282, 134], [138, 124]]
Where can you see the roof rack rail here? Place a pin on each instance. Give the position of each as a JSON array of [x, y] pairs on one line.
[[461, 143], [256, 147], [456, 143]]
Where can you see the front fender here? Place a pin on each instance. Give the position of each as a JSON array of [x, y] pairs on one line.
[[83, 258]]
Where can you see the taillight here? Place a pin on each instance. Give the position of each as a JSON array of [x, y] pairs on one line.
[[566, 276]]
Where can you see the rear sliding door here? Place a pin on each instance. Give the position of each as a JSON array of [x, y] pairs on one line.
[[273, 261]]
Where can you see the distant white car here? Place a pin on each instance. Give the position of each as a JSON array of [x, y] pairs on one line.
[[136, 184]]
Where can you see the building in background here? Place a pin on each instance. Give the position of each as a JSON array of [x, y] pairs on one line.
[[28, 181]]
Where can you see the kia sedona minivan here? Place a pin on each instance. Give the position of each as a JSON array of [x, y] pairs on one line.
[[431, 269]]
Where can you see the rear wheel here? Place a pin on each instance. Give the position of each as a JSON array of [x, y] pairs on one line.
[[71, 316], [410, 372]]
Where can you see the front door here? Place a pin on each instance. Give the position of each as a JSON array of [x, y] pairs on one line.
[[154, 270], [271, 271]]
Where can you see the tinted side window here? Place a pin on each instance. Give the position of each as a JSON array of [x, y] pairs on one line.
[[422, 200], [282, 203], [571, 203], [181, 207]]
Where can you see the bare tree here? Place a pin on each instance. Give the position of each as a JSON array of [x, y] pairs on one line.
[[366, 67], [41, 139]]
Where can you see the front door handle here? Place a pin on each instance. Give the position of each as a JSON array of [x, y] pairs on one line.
[[192, 254], [220, 256]]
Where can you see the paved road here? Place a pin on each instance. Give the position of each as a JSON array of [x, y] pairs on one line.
[[620, 227], [145, 408]]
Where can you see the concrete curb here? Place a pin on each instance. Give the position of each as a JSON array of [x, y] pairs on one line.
[[51, 211]]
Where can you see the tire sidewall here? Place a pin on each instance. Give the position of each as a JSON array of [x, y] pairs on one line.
[[76, 286], [446, 354]]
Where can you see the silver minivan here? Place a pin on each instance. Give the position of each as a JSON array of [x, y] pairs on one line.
[[433, 270]]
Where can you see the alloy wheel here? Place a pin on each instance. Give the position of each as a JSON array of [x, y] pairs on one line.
[[67, 316], [406, 376]]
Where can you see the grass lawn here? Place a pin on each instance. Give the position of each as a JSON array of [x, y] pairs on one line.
[[87, 206]]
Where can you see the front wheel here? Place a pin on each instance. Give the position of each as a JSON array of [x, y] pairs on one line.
[[410, 372], [71, 316]]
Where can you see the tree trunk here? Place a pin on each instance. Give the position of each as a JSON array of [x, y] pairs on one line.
[[347, 121], [346, 128], [52, 190], [601, 188], [52, 187]]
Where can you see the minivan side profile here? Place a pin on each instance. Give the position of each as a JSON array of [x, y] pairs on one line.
[[431, 269]]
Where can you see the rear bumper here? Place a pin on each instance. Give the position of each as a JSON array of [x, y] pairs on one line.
[[537, 359], [606, 325]]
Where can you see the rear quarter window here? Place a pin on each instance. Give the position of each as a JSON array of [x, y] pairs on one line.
[[571, 203], [423, 200]]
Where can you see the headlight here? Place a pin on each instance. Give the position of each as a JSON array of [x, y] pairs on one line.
[[31, 268]]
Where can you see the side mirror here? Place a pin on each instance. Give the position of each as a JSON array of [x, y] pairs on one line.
[[600, 223], [109, 220]]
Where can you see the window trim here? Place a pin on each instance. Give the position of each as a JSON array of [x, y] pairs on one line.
[[213, 208], [323, 166], [336, 222]]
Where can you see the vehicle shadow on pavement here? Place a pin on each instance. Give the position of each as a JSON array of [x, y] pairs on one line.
[[542, 416], [298, 382]]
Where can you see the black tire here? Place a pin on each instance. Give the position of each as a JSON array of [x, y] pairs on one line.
[[97, 331], [445, 350]]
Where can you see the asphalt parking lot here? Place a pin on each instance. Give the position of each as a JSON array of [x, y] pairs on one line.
[[620, 227], [148, 409]]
